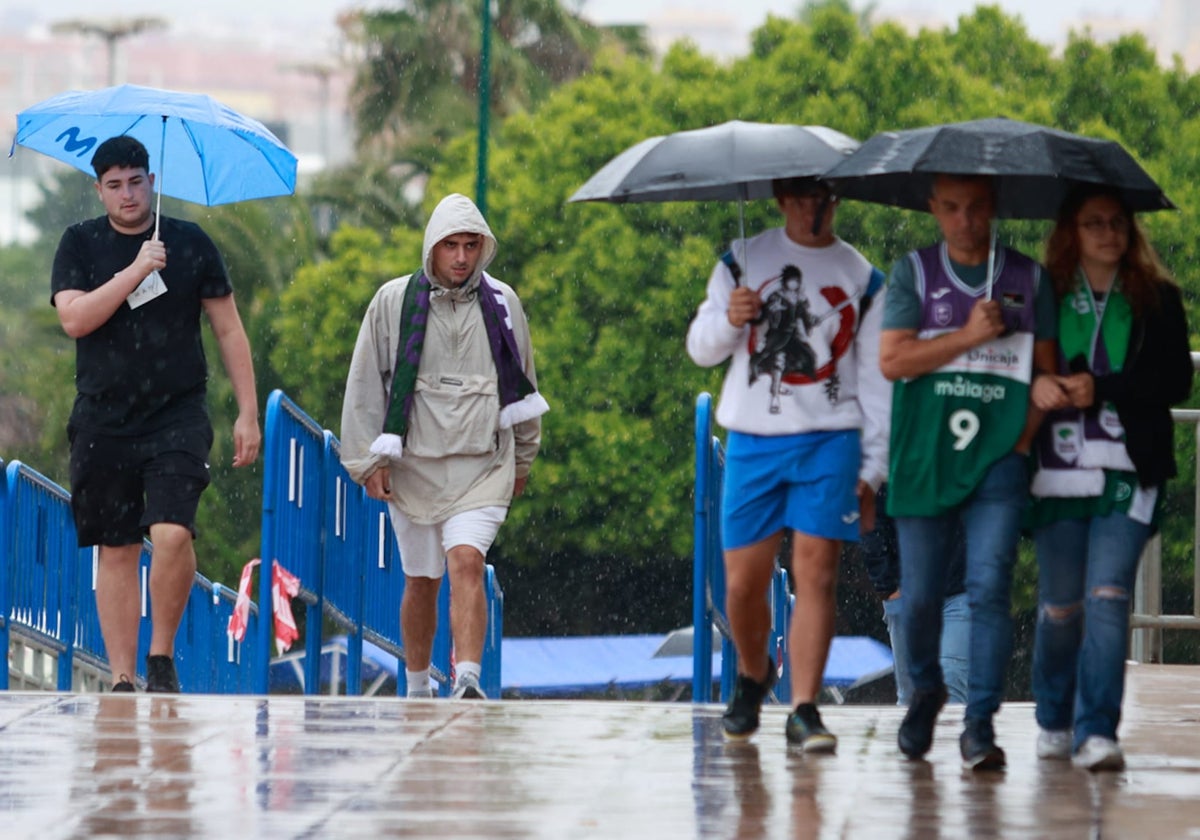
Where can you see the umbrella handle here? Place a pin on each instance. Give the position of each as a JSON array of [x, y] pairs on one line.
[[991, 264], [162, 154], [741, 236]]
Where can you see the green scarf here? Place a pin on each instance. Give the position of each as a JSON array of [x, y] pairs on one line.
[[519, 399]]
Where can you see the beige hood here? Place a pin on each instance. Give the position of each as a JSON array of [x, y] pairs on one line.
[[457, 214]]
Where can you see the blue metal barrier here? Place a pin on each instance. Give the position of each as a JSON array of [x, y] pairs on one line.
[[490, 678], [345, 556], [293, 448], [47, 594], [316, 522], [7, 535], [383, 579], [38, 597], [708, 577], [342, 569]]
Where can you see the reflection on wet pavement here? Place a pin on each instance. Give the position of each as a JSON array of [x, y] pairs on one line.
[[153, 766]]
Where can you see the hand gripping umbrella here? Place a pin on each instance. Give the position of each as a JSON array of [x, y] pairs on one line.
[[1033, 166], [207, 153], [733, 160]]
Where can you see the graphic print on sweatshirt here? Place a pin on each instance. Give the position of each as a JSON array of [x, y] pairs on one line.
[[798, 339]]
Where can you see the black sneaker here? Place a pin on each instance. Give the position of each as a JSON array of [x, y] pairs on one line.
[[160, 675], [124, 685], [804, 728], [741, 715], [916, 732], [978, 746]]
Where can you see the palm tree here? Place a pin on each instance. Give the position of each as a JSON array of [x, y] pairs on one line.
[[418, 65]]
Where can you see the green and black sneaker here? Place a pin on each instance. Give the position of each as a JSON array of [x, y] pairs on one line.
[[805, 730]]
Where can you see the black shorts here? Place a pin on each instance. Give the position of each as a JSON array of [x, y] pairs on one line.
[[120, 486]]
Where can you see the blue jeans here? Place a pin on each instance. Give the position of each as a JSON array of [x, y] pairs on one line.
[[1086, 570], [955, 647], [991, 520]]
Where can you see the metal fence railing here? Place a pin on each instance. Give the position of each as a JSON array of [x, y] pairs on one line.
[[1147, 621], [708, 575], [48, 620], [323, 528], [316, 523]]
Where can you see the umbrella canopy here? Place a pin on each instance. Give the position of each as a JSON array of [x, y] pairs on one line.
[[733, 160], [206, 152], [1035, 167]]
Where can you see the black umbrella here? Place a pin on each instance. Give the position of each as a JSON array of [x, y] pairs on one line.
[[733, 160], [1035, 167]]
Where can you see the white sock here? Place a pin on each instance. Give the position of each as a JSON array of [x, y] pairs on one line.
[[461, 669], [418, 683]]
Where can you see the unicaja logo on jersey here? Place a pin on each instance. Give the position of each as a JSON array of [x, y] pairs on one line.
[[991, 359]]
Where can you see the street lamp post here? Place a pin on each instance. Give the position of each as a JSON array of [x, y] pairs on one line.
[[111, 32], [322, 73], [485, 49]]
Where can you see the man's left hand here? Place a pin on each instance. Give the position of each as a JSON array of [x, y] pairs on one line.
[[246, 440], [519, 486]]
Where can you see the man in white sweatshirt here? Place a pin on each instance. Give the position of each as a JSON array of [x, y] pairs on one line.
[[441, 419], [796, 311]]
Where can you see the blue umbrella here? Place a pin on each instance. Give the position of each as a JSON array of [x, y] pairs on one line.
[[208, 153]]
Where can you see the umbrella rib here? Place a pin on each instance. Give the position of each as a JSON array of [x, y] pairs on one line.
[[191, 135]]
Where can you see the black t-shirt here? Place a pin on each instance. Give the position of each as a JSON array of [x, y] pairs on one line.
[[144, 369]]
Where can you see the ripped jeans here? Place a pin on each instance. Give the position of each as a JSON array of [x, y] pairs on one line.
[[1086, 570]]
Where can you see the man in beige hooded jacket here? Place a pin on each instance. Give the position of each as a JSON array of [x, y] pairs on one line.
[[441, 419]]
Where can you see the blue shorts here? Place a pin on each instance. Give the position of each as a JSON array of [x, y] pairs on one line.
[[805, 482]]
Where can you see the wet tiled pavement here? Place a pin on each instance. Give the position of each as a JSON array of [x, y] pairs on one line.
[[283, 767]]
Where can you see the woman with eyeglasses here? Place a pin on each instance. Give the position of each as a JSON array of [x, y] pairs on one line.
[[1104, 452]]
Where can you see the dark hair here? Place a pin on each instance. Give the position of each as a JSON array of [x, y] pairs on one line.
[[783, 187], [961, 178], [1140, 266], [120, 151]]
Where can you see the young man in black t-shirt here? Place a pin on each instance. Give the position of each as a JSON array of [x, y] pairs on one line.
[[130, 292]]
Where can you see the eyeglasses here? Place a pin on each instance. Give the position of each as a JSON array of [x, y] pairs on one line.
[[1117, 224]]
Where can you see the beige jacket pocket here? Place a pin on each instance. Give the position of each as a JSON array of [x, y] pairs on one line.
[[453, 414]]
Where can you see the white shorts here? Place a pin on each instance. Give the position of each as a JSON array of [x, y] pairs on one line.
[[423, 547]]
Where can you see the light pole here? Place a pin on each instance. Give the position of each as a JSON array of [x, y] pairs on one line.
[[322, 73], [111, 32], [485, 49]]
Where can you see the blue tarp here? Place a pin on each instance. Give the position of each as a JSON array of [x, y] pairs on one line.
[[590, 663], [549, 666], [572, 664]]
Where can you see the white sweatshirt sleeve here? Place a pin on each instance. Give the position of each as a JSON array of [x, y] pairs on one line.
[[874, 396], [711, 339]]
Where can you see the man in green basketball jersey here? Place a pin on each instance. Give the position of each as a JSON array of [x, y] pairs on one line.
[[962, 349]]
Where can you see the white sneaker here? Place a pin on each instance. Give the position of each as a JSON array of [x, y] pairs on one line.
[[1054, 743], [467, 688], [1099, 753]]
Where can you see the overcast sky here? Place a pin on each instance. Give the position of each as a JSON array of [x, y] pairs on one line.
[[1047, 20]]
